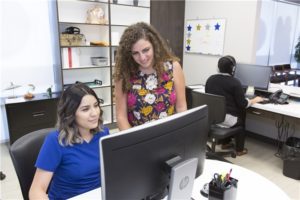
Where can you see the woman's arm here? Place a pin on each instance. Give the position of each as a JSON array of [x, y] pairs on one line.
[[121, 107], [179, 83], [40, 183]]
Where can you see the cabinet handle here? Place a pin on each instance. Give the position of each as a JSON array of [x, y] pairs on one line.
[[257, 113], [38, 114]]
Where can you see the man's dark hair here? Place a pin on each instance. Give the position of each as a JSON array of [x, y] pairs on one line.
[[227, 64]]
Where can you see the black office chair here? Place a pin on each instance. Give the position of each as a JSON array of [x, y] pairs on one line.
[[216, 114], [24, 152]]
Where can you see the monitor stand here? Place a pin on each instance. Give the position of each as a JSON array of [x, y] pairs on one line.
[[182, 179], [250, 92]]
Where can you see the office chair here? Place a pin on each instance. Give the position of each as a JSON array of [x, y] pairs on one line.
[[24, 152], [216, 114]]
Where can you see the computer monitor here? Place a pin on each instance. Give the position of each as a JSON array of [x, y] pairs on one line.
[[133, 162], [256, 76]]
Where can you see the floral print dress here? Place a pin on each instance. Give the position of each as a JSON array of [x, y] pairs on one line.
[[148, 101]]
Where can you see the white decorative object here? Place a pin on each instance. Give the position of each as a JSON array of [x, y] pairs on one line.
[[95, 15], [12, 87]]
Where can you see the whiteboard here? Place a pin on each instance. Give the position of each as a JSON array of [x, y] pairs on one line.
[[205, 36]]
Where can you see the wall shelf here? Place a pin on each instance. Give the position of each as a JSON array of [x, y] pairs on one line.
[[76, 63]]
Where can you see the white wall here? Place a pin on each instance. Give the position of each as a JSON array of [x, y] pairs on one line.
[[239, 35], [26, 54]]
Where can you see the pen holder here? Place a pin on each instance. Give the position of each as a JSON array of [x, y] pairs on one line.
[[223, 192]]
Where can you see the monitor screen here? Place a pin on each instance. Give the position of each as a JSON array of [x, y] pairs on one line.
[[257, 76], [133, 162]]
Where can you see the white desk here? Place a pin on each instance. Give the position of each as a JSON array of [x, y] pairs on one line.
[[292, 109], [262, 123], [287, 115], [250, 185]]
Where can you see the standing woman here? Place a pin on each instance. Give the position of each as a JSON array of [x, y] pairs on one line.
[[149, 81], [68, 163]]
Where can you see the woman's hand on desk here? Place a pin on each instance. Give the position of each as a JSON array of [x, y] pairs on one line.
[[256, 100]]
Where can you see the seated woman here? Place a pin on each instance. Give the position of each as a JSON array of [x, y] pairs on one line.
[[68, 163], [226, 85]]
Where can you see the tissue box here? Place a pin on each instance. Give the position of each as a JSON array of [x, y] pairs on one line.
[[99, 61]]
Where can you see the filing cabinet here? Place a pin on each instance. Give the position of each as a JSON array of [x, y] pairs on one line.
[[30, 115]]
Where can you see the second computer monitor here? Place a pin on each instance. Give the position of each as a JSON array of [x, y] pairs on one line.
[[257, 76]]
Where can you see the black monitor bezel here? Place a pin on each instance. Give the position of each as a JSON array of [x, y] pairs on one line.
[[198, 114], [256, 87]]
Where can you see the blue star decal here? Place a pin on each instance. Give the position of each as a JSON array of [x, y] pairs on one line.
[[188, 47], [217, 26], [189, 28]]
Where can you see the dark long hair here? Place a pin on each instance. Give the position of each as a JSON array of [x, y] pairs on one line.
[[67, 107]]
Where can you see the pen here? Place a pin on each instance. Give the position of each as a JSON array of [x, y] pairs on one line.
[[228, 175]]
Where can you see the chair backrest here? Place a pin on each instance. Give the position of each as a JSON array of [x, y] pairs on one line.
[[287, 67], [216, 105], [277, 68], [24, 152]]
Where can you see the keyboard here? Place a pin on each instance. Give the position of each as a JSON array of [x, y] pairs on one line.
[[261, 93]]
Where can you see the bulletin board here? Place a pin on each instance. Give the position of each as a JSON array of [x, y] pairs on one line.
[[205, 36]]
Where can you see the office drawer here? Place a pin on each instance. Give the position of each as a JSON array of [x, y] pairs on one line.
[[262, 113], [29, 116]]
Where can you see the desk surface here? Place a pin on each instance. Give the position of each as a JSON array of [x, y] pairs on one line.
[[290, 90], [250, 186], [292, 109]]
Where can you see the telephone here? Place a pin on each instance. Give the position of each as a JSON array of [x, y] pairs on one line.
[[279, 97]]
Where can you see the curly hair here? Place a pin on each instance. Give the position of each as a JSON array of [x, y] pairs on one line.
[[66, 109], [126, 67]]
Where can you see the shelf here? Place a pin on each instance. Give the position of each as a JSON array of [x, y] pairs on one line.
[[76, 59], [119, 4], [90, 86], [131, 3], [121, 25], [85, 67], [94, 1], [84, 46], [83, 23], [105, 104]]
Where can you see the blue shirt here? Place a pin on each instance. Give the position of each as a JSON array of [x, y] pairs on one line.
[[76, 169]]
